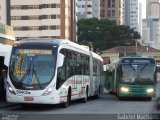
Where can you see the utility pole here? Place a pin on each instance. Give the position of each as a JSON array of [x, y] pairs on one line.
[[136, 46]]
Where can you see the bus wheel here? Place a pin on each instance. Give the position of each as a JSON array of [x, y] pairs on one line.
[[2, 89], [121, 98], [111, 92], [84, 100], [149, 98], [66, 104], [98, 92]]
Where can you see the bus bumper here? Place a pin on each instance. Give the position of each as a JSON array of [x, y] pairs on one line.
[[32, 100], [137, 90], [132, 94]]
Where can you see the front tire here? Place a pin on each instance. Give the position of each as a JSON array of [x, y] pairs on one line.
[[66, 104], [148, 98], [85, 99], [98, 92], [2, 89]]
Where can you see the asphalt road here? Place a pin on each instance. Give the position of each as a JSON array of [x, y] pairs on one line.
[[107, 107]]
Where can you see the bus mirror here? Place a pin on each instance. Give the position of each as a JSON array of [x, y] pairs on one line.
[[158, 73], [60, 60], [158, 76]]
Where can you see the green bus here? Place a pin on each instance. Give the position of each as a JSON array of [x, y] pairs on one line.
[[132, 77]]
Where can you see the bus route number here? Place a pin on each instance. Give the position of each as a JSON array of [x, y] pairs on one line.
[[26, 92]]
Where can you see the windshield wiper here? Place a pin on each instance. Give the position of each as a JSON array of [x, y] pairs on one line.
[[27, 73], [35, 73], [144, 66], [30, 72], [131, 67]]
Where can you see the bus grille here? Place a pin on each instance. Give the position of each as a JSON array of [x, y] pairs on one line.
[[137, 89]]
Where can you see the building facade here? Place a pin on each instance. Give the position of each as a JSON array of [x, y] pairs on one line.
[[133, 14], [45, 18], [153, 8], [112, 10], [151, 32], [123, 51], [151, 25], [96, 8], [84, 9], [5, 12]]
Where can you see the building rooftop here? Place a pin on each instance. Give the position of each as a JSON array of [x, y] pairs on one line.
[[131, 49]]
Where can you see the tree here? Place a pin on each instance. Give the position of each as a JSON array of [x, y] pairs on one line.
[[104, 34]]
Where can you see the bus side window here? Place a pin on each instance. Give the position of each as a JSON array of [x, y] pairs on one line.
[[60, 77], [68, 68], [94, 67], [158, 73], [109, 73]]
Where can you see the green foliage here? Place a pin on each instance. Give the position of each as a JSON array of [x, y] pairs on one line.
[[104, 34]]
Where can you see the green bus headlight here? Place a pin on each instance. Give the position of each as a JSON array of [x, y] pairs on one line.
[[150, 90], [124, 89]]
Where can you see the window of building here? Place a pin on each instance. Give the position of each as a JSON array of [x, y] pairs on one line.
[[89, 12], [16, 7], [113, 13], [113, 3], [109, 3], [109, 13]]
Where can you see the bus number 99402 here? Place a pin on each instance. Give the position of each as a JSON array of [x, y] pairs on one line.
[[23, 92]]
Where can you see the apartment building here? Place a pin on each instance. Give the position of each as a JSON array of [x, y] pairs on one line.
[[153, 8], [133, 14], [84, 9], [5, 12], [88, 9], [96, 8], [151, 25], [43, 18], [112, 10], [151, 32]]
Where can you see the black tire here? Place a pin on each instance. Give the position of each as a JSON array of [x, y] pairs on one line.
[[148, 98], [121, 98], [85, 99], [111, 92], [98, 93], [2, 89], [66, 104]]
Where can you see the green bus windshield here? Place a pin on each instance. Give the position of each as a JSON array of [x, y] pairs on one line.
[[139, 70]]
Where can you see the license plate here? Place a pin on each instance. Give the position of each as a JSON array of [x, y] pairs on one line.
[[28, 99]]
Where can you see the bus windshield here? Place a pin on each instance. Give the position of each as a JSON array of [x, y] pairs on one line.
[[134, 73], [32, 67]]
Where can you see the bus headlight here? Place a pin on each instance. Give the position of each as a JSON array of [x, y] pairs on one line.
[[124, 89], [150, 90], [10, 89], [48, 91]]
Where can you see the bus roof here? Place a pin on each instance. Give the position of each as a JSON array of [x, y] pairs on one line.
[[58, 42], [41, 41], [137, 57]]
